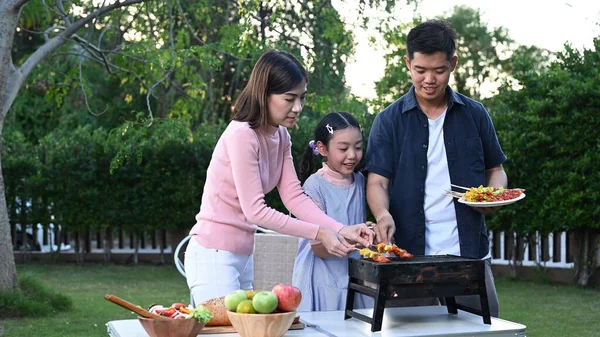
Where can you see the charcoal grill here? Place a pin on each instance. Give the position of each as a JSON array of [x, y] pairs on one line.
[[444, 276]]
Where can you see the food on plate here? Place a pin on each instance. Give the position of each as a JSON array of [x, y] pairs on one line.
[[217, 307], [491, 194], [182, 311], [288, 296]]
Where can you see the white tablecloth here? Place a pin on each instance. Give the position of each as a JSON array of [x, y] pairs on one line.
[[397, 322]]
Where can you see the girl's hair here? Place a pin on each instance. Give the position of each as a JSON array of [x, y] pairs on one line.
[[275, 72], [330, 123]]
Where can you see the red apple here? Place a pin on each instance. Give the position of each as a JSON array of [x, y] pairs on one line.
[[289, 297]]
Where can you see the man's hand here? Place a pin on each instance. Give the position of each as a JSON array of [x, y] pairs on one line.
[[385, 229], [487, 210], [379, 201]]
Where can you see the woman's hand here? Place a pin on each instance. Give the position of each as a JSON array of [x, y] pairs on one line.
[[334, 243], [360, 234]]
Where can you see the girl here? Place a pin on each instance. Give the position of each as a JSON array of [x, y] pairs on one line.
[[339, 191], [253, 156]]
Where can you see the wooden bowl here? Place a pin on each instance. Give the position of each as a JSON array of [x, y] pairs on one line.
[[189, 327], [261, 325]]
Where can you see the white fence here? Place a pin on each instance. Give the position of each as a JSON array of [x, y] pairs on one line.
[[546, 250]]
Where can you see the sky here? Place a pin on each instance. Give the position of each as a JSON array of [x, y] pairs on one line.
[[547, 24]]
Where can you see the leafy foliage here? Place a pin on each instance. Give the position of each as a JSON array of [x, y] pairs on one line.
[[486, 56], [120, 133], [549, 132]]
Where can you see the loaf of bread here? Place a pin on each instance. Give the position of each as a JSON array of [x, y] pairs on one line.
[[219, 310]]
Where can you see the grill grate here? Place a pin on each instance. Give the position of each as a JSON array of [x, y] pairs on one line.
[[418, 259]]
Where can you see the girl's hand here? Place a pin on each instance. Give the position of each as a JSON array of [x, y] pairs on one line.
[[334, 243], [358, 234]]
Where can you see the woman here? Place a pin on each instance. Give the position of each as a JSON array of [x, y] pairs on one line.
[[253, 156]]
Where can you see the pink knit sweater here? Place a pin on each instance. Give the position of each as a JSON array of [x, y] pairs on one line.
[[246, 164]]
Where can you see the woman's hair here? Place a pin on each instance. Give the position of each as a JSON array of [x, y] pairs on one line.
[[275, 72], [331, 122]]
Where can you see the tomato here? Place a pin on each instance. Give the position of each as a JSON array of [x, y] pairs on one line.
[[178, 306], [169, 312]]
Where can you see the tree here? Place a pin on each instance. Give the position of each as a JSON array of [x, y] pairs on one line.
[[158, 58], [12, 77], [480, 52], [479, 49], [548, 129]]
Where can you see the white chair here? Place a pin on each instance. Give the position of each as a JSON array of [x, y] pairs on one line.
[[179, 265], [274, 257]]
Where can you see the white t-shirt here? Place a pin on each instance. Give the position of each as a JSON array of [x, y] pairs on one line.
[[441, 228]]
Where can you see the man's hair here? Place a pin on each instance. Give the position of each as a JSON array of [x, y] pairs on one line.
[[431, 37]]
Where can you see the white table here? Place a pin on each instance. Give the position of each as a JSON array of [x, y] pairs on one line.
[[133, 328], [412, 322], [397, 322]]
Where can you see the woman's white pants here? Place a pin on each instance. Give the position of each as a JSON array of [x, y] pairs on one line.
[[214, 273]]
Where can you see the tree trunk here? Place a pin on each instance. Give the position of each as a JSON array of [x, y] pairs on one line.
[[585, 253], [136, 249], [58, 240], [8, 270], [11, 80], [513, 258], [108, 242]]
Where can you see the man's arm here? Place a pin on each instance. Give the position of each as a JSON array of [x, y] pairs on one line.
[[379, 203], [496, 177]]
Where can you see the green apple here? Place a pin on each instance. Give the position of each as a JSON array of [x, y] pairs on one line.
[[264, 302], [234, 298]]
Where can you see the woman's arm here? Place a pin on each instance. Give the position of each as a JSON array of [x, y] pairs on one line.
[[304, 208], [294, 198], [243, 148], [312, 189]]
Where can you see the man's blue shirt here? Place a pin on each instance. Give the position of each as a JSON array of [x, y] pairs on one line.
[[397, 150]]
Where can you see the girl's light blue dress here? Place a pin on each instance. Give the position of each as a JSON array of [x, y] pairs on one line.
[[324, 282]]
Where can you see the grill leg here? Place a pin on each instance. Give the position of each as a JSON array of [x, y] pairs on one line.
[[349, 300], [378, 310], [485, 306], [451, 305]]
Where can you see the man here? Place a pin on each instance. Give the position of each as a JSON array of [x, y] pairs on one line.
[[428, 139]]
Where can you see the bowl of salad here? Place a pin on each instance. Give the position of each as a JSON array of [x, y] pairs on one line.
[[179, 320]]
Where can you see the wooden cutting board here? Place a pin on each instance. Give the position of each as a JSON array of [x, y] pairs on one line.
[[230, 329]]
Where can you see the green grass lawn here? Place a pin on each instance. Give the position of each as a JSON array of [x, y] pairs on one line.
[[550, 310], [547, 310], [86, 285]]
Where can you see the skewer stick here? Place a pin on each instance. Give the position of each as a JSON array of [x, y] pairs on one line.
[[453, 195], [462, 187], [296, 126]]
